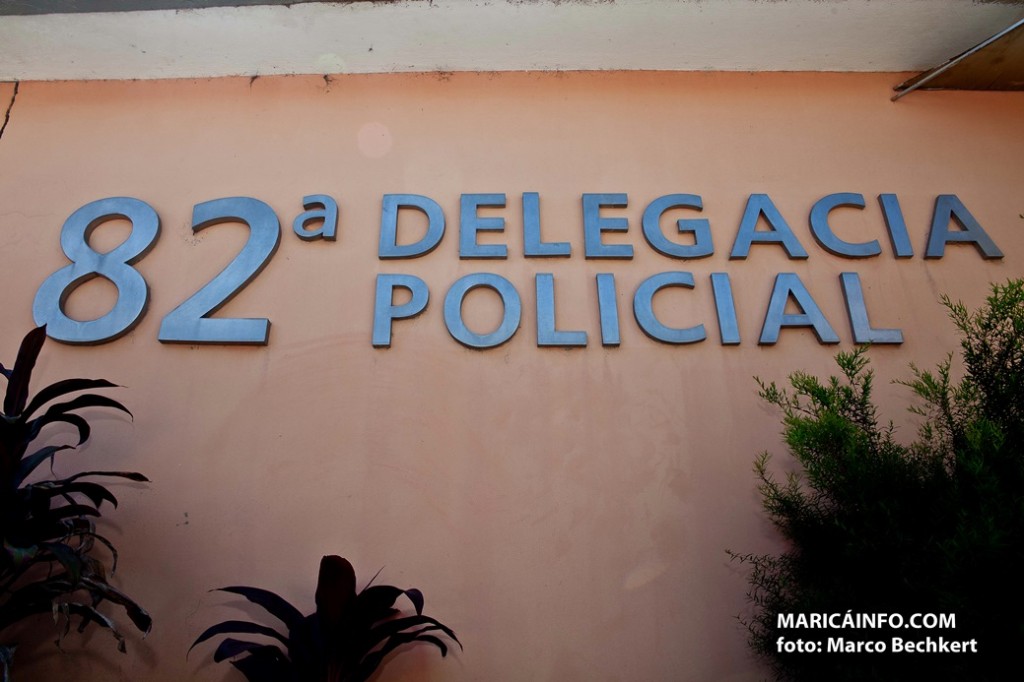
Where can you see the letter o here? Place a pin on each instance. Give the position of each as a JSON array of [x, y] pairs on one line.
[[513, 309]]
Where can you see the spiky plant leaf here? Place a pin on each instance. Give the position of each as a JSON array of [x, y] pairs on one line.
[[376, 602], [238, 627], [229, 648], [83, 401], [345, 640], [31, 462], [388, 628], [130, 475], [6, 657], [99, 588], [264, 664], [89, 614], [271, 602], [21, 373], [65, 387], [96, 493], [373, 660], [335, 590], [35, 427], [416, 597], [48, 529]]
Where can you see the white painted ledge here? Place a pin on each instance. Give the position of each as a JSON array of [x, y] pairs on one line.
[[499, 35]]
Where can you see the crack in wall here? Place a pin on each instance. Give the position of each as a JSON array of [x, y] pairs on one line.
[[7, 115]]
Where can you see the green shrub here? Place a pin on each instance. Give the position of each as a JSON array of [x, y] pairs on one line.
[[877, 527]]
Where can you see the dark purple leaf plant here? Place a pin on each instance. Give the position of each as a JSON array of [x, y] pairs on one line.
[[49, 563], [345, 640]]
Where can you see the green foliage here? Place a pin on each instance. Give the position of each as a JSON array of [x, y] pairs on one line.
[[873, 526], [993, 353], [48, 527], [345, 640]]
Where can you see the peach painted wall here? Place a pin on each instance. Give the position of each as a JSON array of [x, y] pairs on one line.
[[566, 511]]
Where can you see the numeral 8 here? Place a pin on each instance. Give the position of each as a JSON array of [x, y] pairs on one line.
[[86, 263]]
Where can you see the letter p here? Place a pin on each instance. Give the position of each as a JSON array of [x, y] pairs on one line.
[[385, 310]]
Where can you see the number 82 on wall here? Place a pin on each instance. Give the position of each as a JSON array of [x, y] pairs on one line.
[[190, 322]]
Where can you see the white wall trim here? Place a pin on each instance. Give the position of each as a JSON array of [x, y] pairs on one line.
[[499, 35]]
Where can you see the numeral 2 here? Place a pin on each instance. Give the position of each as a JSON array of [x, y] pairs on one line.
[[190, 322]]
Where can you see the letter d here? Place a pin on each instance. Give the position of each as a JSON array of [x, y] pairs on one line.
[[389, 247]]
